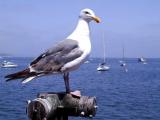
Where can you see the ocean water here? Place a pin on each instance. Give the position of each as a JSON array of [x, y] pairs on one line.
[[134, 95]]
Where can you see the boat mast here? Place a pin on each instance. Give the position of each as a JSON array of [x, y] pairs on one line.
[[123, 48], [123, 52], [104, 48]]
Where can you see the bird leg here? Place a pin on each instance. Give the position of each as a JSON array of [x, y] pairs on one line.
[[76, 93], [66, 81]]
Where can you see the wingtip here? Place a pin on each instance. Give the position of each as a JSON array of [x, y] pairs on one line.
[[7, 76], [9, 79]]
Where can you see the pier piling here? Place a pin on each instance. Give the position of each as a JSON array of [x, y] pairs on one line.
[[58, 106]]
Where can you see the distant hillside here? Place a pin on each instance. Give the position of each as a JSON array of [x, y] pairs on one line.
[[4, 54]]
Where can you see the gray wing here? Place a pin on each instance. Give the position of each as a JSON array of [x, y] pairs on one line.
[[56, 57]]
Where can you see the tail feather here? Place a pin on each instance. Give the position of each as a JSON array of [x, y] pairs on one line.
[[22, 74]]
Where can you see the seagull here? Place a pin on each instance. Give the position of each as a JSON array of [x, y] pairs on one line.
[[64, 57]]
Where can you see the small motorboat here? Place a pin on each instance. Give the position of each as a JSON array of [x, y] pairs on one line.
[[7, 64], [142, 60], [86, 62]]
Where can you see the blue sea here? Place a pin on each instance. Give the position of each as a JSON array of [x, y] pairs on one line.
[[132, 95]]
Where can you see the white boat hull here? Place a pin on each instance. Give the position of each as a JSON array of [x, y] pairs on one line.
[[123, 64], [6, 64], [141, 60], [9, 66], [103, 68]]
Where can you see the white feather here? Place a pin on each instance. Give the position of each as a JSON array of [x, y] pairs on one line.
[[28, 79]]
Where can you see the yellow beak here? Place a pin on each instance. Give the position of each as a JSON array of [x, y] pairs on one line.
[[97, 19]]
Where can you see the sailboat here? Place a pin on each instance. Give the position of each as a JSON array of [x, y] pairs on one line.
[[103, 66], [122, 62]]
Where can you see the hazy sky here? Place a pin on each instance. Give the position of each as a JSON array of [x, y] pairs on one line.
[[29, 27]]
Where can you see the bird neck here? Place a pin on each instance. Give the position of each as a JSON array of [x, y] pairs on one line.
[[82, 30]]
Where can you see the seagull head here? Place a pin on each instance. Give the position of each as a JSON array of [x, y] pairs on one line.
[[89, 15]]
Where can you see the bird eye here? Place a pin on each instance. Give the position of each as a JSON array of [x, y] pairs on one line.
[[86, 12]]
